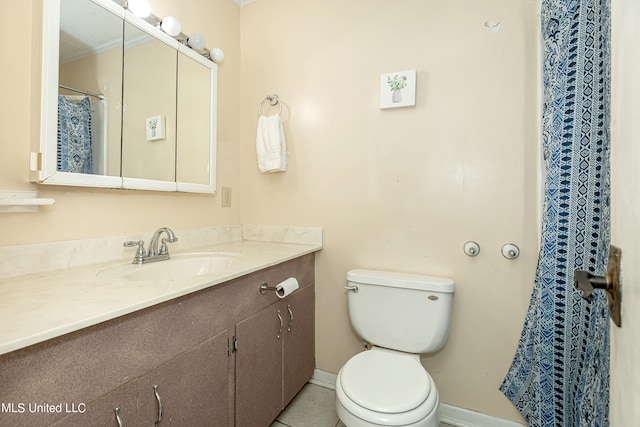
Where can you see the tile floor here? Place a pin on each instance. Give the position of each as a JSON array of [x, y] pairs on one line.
[[314, 406]]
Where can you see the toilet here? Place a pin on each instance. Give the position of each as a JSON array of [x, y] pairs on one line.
[[401, 316]]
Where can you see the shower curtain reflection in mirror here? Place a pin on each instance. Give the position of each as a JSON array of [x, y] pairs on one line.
[[81, 135]]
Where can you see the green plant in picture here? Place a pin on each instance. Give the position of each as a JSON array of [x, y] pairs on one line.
[[153, 125], [397, 82]]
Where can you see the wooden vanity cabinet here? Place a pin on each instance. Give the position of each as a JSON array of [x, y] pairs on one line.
[[178, 345], [299, 357], [274, 357], [192, 389], [185, 347], [258, 383]]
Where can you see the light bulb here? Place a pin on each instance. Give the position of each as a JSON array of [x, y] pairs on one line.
[[196, 41], [140, 8], [171, 26], [217, 54]]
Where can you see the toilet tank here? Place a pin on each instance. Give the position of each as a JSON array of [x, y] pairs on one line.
[[400, 311]]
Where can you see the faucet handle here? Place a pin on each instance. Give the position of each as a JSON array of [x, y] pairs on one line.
[[164, 250], [140, 253]]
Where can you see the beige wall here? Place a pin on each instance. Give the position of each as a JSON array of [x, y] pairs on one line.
[[625, 209], [404, 189], [85, 213]]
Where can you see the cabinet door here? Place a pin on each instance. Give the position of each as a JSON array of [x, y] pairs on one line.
[[259, 368], [299, 341], [100, 412], [193, 387]]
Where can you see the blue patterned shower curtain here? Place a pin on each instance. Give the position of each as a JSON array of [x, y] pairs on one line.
[[560, 373], [74, 152]]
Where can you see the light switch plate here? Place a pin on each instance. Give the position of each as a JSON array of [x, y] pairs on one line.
[[225, 197]]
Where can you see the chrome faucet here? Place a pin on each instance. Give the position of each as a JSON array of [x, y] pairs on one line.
[[153, 244], [154, 254]]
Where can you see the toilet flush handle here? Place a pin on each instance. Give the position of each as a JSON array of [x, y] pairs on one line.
[[351, 288]]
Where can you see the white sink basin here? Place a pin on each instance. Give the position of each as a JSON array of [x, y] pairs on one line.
[[181, 266]]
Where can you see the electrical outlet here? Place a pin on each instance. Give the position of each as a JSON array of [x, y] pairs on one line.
[[225, 198]]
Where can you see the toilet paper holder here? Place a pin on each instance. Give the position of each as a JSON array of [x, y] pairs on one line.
[[282, 289], [265, 287]]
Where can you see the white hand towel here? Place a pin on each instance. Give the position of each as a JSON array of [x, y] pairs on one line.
[[271, 146]]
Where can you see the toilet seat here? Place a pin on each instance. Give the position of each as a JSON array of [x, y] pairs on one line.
[[400, 386], [386, 387]]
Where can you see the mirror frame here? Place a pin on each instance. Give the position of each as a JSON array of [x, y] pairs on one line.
[[213, 124], [44, 162]]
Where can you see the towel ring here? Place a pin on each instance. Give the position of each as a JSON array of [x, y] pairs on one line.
[[273, 101]]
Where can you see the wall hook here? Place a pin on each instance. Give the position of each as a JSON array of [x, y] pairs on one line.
[[494, 27], [471, 248], [510, 251]]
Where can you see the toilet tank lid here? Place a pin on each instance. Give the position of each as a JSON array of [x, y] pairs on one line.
[[401, 280]]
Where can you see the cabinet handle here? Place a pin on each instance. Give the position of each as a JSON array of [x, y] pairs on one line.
[[116, 410], [155, 391], [281, 325], [290, 318]]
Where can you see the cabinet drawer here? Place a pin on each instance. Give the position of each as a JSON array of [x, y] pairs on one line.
[[244, 292]]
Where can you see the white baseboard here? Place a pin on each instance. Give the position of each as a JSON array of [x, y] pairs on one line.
[[449, 414], [324, 379], [461, 417]]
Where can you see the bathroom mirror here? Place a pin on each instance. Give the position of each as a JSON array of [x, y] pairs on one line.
[[90, 70], [124, 105], [149, 104], [195, 111]]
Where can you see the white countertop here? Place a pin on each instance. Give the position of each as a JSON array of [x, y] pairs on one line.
[[38, 307]]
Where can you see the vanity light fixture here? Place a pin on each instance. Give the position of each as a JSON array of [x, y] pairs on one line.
[[140, 8], [171, 26], [216, 54], [196, 41]]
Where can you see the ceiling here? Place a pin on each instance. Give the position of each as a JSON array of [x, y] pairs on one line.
[[85, 29]]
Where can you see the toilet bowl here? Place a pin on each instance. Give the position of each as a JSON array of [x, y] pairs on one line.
[[382, 387], [402, 315]]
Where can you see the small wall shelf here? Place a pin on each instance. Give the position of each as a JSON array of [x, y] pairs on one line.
[[22, 201]]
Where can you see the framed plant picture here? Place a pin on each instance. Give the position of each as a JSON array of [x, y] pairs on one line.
[[398, 89], [155, 128]]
